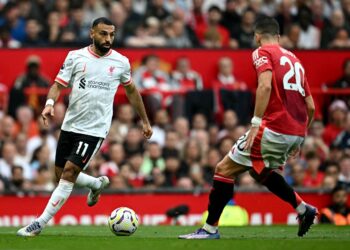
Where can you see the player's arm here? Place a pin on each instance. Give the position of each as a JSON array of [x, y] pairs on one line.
[[52, 97], [309, 101], [310, 108], [61, 81], [263, 93], [136, 101]]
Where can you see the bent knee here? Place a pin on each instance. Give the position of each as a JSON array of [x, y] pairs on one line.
[[260, 178], [221, 168], [225, 169], [70, 172]]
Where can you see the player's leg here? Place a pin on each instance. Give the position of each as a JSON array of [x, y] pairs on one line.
[[61, 193], [275, 149], [96, 185], [56, 201], [74, 152], [278, 186], [84, 150], [221, 193], [58, 173]]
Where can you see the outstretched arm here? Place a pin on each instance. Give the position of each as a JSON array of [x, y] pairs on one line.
[[52, 97], [263, 93], [136, 101]]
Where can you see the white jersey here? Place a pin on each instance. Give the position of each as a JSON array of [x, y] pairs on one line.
[[94, 81]]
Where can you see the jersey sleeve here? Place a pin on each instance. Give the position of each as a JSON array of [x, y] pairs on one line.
[[261, 60], [64, 75], [125, 78]]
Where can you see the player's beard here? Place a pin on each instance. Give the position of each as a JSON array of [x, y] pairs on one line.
[[101, 47]]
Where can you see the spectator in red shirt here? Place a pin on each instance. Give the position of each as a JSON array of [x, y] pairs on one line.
[[313, 177], [134, 174], [316, 131], [337, 112], [62, 7], [212, 34], [224, 84], [149, 77], [297, 175], [184, 77], [26, 122], [225, 78], [197, 17], [116, 157]]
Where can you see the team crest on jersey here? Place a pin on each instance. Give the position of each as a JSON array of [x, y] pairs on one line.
[[111, 69]]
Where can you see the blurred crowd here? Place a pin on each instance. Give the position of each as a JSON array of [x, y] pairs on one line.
[[194, 127], [305, 24], [182, 152]]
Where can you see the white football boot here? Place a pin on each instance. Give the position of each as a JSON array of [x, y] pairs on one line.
[[94, 195], [33, 229]]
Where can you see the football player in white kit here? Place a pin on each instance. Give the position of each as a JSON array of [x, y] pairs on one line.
[[94, 74]]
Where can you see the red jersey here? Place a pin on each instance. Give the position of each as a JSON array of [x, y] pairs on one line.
[[286, 111]]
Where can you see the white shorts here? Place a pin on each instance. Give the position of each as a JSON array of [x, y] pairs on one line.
[[270, 149]]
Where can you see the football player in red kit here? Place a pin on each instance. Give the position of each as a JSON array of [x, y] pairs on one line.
[[284, 109]]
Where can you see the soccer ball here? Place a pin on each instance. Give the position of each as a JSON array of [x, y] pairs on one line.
[[123, 221]]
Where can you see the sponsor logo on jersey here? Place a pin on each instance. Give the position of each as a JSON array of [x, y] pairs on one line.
[[98, 85], [82, 83], [260, 61], [91, 84]]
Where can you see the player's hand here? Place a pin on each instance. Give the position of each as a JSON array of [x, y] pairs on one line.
[[147, 130], [250, 138], [47, 113], [295, 152]]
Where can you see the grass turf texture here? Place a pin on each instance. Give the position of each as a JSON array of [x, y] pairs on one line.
[[165, 238]]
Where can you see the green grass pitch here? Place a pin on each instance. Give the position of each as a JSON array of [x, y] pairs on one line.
[[165, 238]]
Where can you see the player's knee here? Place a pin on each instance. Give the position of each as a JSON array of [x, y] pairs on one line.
[[57, 178], [58, 174], [221, 168], [70, 172], [260, 178]]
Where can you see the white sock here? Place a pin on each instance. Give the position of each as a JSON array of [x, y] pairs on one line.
[[58, 198], [209, 228], [88, 181], [301, 208]]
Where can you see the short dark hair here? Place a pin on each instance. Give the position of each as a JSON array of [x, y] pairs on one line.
[[148, 57], [267, 26], [214, 8], [338, 188], [103, 20], [311, 155]]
